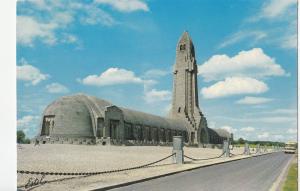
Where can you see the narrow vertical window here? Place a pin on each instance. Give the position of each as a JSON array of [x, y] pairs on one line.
[[182, 47]]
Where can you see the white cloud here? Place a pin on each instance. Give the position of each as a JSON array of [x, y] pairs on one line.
[[259, 119], [234, 86], [40, 4], [278, 137], [69, 38], [277, 119], [44, 5], [46, 20], [278, 26], [30, 73], [229, 129], [28, 29], [112, 76], [253, 100], [242, 35], [276, 11], [62, 18], [252, 63], [156, 73], [157, 96], [263, 135], [27, 122], [57, 88], [275, 115], [32, 27], [94, 15], [289, 41], [281, 111], [275, 8], [126, 5], [292, 131], [248, 129]]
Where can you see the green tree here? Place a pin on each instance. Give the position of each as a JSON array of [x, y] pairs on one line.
[[21, 137], [241, 141], [26, 141]]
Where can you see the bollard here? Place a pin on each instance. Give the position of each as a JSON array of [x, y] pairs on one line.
[[226, 148], [246, 149], [265, 149], [178, 150], [258, 148]]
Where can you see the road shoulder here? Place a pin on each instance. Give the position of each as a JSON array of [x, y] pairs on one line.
[[277, 185]]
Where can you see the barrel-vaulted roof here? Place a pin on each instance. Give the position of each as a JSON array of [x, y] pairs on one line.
[[137, 117], [96, 107]]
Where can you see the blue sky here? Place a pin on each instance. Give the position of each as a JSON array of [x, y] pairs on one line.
[[123, 51]]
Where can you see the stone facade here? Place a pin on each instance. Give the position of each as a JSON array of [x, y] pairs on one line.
[[83, 119], [185, 104]]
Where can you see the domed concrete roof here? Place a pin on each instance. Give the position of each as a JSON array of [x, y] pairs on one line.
[[75, 115]]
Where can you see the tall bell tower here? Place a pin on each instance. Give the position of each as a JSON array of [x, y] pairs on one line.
[[185, 104]]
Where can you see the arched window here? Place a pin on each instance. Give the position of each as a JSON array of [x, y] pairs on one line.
[[182, 47]]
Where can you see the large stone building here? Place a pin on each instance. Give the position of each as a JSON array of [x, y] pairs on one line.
[[83, 119]]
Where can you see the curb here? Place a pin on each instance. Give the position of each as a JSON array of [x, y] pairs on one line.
[[172, 173]]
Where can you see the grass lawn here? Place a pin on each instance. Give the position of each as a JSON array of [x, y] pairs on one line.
[[291, 181]]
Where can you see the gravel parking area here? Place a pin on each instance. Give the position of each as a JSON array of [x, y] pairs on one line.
[[92, 158]]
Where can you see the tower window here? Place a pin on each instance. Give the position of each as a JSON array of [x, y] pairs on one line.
[[179, 108], [182, 47]]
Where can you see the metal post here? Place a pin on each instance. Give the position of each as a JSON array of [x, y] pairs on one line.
[[178, 150], [226, 148], [246, 149]]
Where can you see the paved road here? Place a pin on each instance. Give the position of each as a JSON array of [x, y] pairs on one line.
[[253, 174]]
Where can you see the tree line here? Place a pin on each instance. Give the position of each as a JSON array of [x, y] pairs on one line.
[[262, 143]]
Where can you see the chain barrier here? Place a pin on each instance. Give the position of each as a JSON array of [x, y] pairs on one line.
[[91, 173], [195, 159]]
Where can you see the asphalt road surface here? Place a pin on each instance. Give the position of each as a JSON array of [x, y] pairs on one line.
[[252, 174]]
